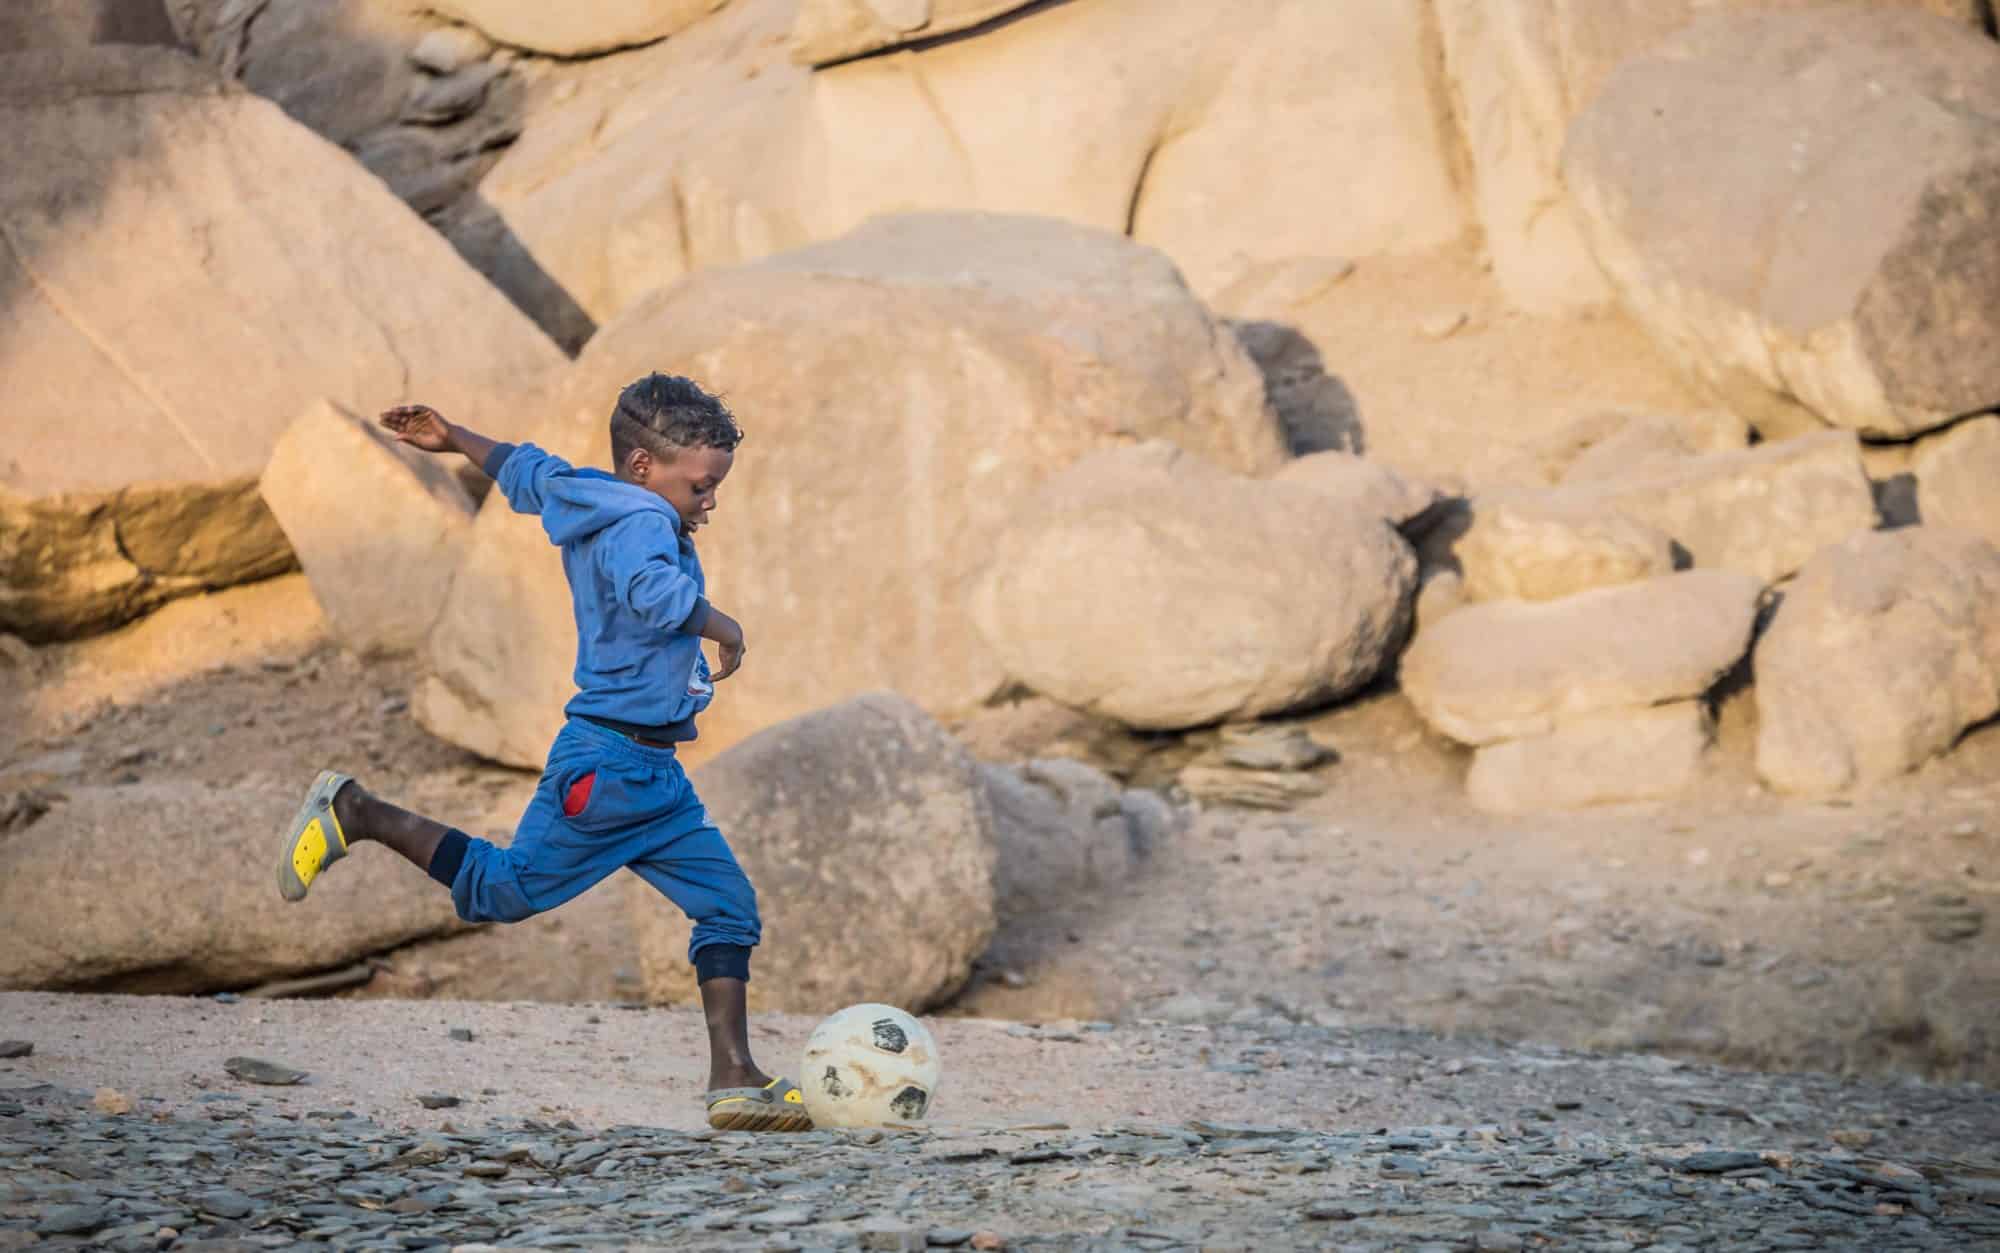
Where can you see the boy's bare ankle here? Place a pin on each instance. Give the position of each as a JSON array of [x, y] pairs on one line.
[[349, 809], [736, 1077]]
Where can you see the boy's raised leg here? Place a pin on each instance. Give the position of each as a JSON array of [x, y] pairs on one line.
[[338, 812]]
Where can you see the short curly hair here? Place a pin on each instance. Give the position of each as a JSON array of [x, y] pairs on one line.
[[664, 413]]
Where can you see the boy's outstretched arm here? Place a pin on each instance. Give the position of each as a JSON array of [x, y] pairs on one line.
[[423, 427]]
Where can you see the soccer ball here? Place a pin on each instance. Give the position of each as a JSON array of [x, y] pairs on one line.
[[869, 1066]]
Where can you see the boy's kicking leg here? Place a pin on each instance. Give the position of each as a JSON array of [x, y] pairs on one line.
[[339, 813]]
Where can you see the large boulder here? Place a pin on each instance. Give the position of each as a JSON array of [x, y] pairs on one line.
[[1067, 832], [84, 908], [1145, 585], [1535, 548], [1600, 759], [903, 389], [1519, 72], [378, 527], [713, 148], [866, 830], [73, 23], [1815, 254], [374, 77], [835, 30], [1369, 487], [576, 28], [1763, 511], [1507, 670], [160, 389], [1882, 651], [1621, 444], [1956, 472]]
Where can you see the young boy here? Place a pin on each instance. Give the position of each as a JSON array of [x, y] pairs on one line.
[[613, 794]]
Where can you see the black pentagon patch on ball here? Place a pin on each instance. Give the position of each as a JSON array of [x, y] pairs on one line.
[[833, 1085], [909, 1103], [889, 1037]]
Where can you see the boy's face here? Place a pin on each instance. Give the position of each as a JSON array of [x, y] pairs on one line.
[[687, 481]]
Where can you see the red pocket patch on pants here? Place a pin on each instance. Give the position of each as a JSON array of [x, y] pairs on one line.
[[578, 795]]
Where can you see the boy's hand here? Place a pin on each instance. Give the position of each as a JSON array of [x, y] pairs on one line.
[[729, 647], [420, 426]]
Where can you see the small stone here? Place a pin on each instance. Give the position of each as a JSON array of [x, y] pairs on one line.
[[988, 1240], [1398, 1166], [257, 1070], [949, 1237], [16, 1048], [1259, 747], [438, 1100], [487, 1170], [72, 1220], [1853, 1137], [111, 1101], [1330, 1211], [1949, 919], [225, 1203], [449, 49], [462, 1034], [1717, 1161]]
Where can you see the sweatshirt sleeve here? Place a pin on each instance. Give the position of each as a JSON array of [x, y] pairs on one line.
[[646, 579], [523, 474]]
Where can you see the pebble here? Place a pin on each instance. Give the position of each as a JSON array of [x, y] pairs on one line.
[[16, 1048], [257, 1070]]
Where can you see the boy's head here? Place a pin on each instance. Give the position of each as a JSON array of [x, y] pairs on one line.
[[676, 441]]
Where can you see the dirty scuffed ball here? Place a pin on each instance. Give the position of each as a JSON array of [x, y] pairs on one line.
[[869, 1066]]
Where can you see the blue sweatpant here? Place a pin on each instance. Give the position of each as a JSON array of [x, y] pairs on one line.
[[606, 802]]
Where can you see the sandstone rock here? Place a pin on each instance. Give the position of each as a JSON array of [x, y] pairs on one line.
[[1249, 789], [867, 832], [1509, 670], [1520, 71], [1601, 759], [1065, 832], [835, 30], [1276, 288], [144, 486], [1882, 651], [77, 915], [1367, 486], [28, 24], [1619, 444], [577, 27], [378, 527], [1956, 472], [1845, 277], [1150, 587], [1535, 548], [1762, 511], [714, 149], [903, 389], [360, 73]]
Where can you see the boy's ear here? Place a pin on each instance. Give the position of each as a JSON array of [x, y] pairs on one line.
[[638, 464]]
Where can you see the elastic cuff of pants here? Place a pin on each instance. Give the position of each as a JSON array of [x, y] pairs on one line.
[[450, 855], [722, 961]]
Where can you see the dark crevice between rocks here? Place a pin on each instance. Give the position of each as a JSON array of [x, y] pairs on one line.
[[1316, 411], [987, 27]]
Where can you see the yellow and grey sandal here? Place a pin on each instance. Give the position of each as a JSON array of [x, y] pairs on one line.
[[777, 1106], [315, 840]]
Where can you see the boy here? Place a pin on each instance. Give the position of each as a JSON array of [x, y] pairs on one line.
[[613, 794]]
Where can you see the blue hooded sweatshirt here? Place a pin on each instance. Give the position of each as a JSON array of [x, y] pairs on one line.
[[635, 585]]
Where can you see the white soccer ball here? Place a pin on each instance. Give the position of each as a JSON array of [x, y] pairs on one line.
[[869, 1066]]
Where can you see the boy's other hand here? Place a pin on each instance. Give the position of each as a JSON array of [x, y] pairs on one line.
[[729, 648], [420, 426]]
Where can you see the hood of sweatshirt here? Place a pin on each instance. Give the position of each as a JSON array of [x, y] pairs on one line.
[[583, 502]]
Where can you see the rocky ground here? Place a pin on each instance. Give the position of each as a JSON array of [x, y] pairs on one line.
[[125, 1125]]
